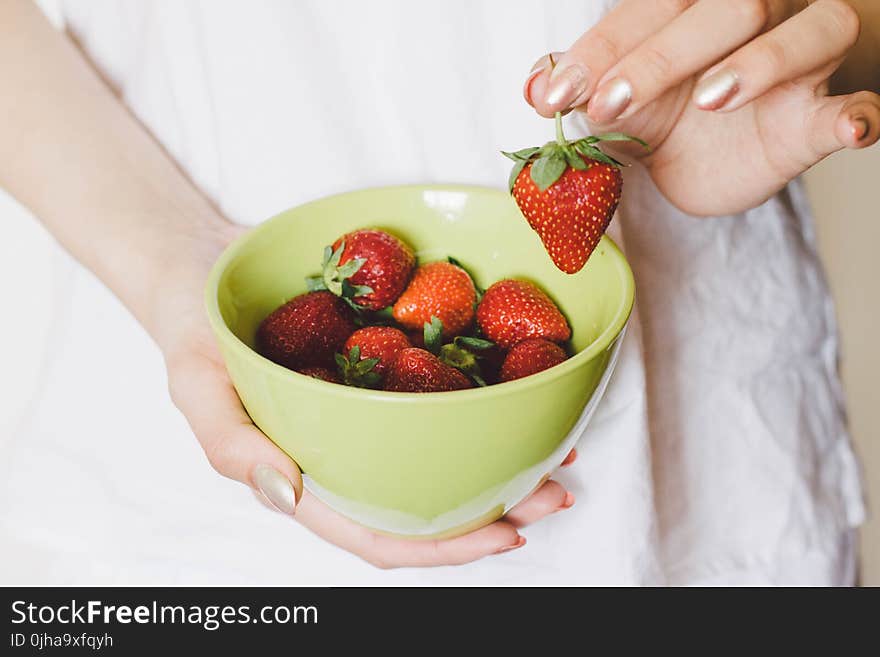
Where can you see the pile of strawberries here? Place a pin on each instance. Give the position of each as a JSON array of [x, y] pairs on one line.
[[374, 319]]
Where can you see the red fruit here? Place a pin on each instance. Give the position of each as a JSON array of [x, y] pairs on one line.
[[530, 357], [322, 373], [387, 266], [382, 342], [307, 331], [512, 311], [438, 289], [416, 370], [568, 191]]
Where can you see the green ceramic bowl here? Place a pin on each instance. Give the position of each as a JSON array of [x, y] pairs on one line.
[[419, 465]]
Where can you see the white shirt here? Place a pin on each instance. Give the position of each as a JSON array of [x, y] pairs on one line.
[[719, 455]]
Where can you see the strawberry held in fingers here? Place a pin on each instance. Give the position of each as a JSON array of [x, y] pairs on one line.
[[530, 357], [512, 311], [307, 331], [568, 191], [369, 267], [438, 289]]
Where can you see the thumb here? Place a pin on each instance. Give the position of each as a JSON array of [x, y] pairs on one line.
[[841, 122], [201, 389]]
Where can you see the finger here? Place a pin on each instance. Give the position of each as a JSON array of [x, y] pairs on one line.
[[829, 27], [574, 77], [569, 459], [842, 122], [698, 38], [390, 552], [549, 498], [201, 389]]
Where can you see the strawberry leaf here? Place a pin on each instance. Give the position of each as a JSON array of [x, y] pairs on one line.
[[522, 155], [356, 372], [473, 343], [619, 136], [547, 169], [350, 268], [514, 173], [574, 160], [433, 335], [315, 283], [350, 291], [364, 366], [595, 154]]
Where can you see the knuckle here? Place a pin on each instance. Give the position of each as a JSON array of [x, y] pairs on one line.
[[755, 13], [379, 562], [606, 46], [867, 97], [218, 454], [678, 6], [844, 20], [775, 54], [657, 64]]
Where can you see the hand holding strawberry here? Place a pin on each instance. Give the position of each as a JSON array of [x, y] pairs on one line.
[[568, 191]]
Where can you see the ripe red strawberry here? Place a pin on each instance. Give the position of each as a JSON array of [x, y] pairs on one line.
[[322, 373], [568, 191], [530, 357], [512, 311], [438, 289], [416, 370], [382, 342], [307, 331], [369, 267]]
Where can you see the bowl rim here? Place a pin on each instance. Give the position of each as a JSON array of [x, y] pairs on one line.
[[224, 334]]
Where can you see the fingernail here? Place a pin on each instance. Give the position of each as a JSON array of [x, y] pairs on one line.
[[507, 548], [715, 91], [861, 127], [276, 488], [568, 502], [527, 87], [566, 84], [610, 101]]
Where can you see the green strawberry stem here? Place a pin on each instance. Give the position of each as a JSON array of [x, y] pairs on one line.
[[560, 134]]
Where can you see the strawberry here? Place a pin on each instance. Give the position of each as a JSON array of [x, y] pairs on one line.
[[369, 267], [382, 342], [306, 331], [530, 357], [416, 370], [370, 351], [568, 191], [438, 289], [322, 373], [512, 311]]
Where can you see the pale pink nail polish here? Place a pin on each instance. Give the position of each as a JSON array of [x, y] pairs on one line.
[[519, 543], [716, 90], [566, 84], [610, 101], [861, 127], [527, 87]]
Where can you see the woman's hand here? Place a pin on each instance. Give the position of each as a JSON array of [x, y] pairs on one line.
[[201, 389], [731, 94]]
